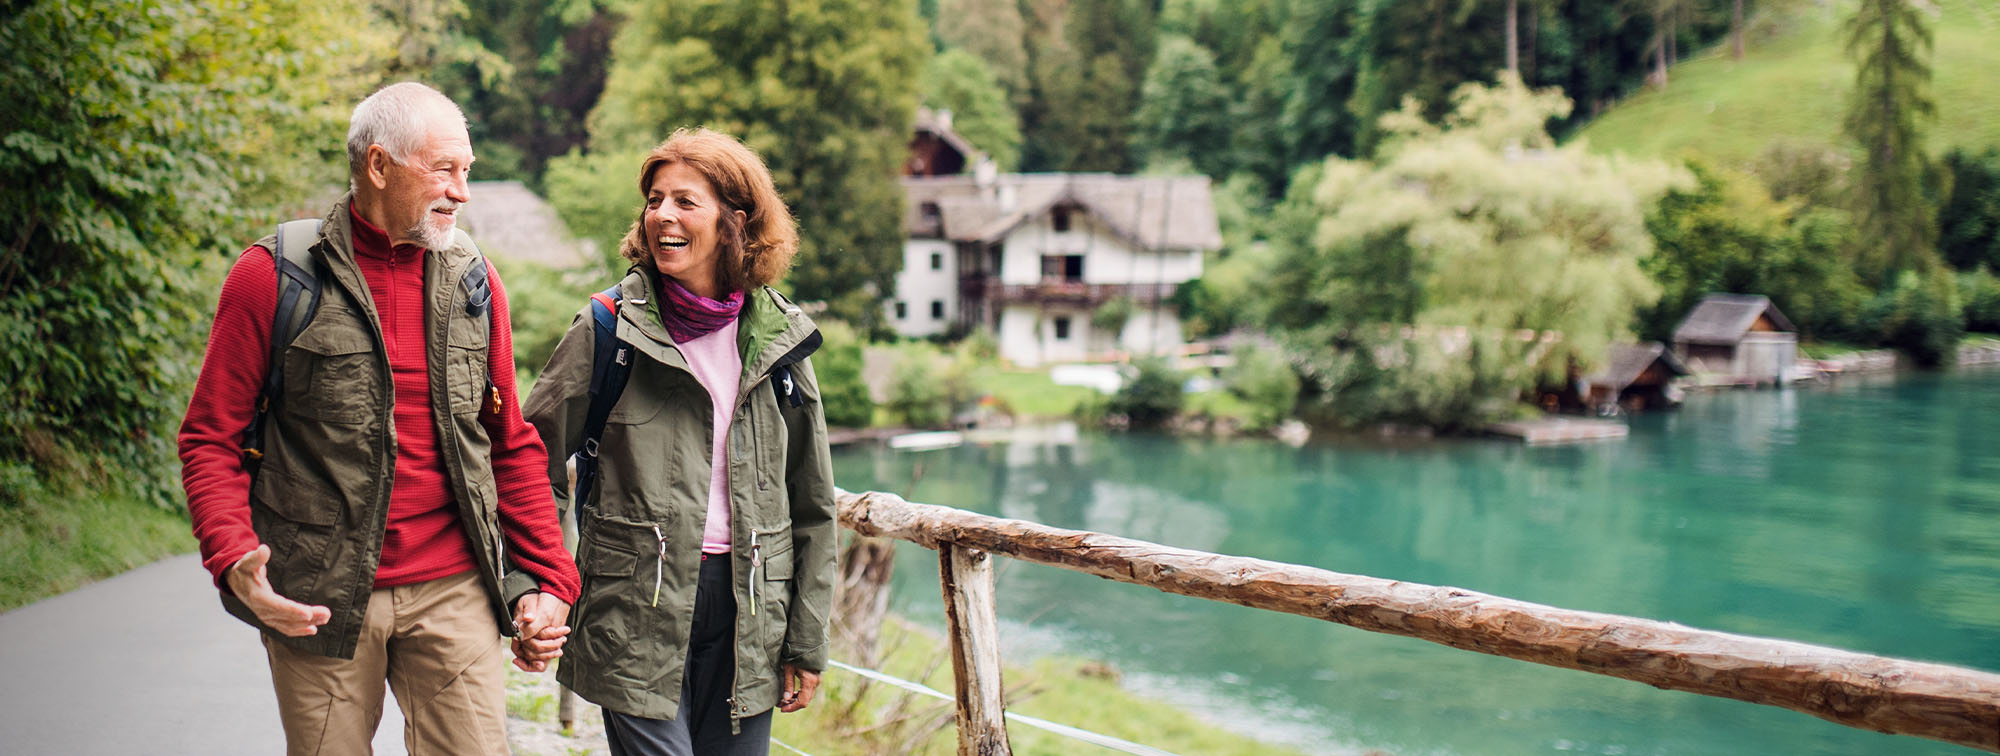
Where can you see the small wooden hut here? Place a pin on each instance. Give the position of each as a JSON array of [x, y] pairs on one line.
[[1635, 377], [1737, 338]]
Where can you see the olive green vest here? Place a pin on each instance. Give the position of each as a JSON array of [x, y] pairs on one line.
[[321, 498]]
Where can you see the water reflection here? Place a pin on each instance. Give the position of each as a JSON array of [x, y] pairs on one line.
[[1858, 516]]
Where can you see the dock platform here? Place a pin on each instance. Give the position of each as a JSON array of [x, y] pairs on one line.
[[1560, 430]]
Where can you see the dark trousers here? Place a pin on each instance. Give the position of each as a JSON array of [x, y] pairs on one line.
[[701, 727]]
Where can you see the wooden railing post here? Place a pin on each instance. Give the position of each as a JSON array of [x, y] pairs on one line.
[[966, 576]]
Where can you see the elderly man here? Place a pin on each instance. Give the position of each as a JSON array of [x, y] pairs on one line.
[[377, 507]]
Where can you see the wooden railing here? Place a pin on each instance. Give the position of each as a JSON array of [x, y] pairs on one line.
[[1894, 696]]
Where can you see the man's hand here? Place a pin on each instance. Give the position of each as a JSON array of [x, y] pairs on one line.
[[800, 685], [247, 579], [539, 632]]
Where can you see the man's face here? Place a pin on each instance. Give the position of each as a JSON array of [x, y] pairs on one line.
[[423, 193]]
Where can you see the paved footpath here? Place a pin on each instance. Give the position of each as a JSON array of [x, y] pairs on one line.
[[143, 663]]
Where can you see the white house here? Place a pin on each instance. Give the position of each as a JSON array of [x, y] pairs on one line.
[[1035, 258]]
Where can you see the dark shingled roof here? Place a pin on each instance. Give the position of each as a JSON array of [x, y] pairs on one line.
[[1151, 212], [1724, 318], [509, 221], [1625, 362], [931, 121]]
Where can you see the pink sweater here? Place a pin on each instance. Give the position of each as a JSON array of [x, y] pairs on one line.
[[719, 367]]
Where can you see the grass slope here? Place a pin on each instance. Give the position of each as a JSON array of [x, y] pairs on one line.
[[1792, 85], [74, 530]]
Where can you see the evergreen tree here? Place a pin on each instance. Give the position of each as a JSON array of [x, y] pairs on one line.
[[1183, 108], [960, 82], [1891, 44], [1086, 59], [994, 31], [1321, 40], [1421, 49], [824, 92]]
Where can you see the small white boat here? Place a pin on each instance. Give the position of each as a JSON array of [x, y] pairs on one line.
[[927, 441]]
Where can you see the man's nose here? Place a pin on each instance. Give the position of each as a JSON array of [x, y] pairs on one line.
[[460, 190]]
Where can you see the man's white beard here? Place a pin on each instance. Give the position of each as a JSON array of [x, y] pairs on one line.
[[428, 234]]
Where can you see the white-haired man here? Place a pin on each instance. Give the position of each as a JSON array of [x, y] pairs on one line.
[[366, 494]]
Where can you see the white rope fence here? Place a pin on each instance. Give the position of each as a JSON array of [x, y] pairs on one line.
[[1086, 736]]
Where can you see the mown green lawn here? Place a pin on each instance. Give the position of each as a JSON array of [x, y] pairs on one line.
[[1792, 85]]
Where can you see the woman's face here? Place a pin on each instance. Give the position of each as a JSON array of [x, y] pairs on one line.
[[682, 225]]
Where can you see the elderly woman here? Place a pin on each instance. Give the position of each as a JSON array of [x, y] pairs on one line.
[[707, 535]]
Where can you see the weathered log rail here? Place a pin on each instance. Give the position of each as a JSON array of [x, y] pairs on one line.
[[1895, 696]]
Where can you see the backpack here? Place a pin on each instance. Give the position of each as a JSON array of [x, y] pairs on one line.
[[299, 277], [610, 365]]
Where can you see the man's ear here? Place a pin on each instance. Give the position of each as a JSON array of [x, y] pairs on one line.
[[378, 167]]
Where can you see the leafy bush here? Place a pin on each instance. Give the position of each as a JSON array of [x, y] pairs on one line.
[[1153, 396], [843, 395], [1918, 315], [1264, 379], [922, 389], [1969, 220], [1979, 294], [541, 303], [134, 150]]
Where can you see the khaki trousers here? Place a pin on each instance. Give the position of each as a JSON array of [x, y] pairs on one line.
[[435, 643]]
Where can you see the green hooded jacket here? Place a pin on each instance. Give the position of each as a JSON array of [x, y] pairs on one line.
[[639, 544]]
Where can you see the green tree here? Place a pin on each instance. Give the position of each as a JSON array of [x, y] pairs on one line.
[[1470, 261], [1184, 109], [958, 81], [1086, 59], [1969, 221], [140, 141], [1421, 49], [1727, 234], [995, 32], [1891, 43], [824, 92], [528, 100]]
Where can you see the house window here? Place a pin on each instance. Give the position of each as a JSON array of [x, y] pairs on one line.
[[937, 261], [902, 310], [1062, 268], [1060, 219], [993, 255], [937, 309], [1062, 329]]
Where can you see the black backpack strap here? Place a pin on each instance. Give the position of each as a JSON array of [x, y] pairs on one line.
[[783, 386], [298, 299], [610, 365]]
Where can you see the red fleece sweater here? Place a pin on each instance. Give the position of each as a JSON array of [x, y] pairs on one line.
[[424, 539]]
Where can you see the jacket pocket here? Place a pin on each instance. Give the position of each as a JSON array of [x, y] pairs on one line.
[[330, 374], [774, 590], [614, 620]]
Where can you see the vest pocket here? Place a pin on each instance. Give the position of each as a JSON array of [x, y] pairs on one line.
[[465, 370], [298, 523], [330, 375]]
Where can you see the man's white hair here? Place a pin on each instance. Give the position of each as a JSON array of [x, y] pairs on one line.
[[398, 117]]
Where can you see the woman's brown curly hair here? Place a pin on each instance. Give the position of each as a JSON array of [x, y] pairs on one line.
[[756, 251]]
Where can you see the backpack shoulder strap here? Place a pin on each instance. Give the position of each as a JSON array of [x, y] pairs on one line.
[[298, 299], [478, 291], [610, 366]]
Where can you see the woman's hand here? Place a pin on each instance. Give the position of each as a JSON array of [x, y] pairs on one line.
[[800, 685]]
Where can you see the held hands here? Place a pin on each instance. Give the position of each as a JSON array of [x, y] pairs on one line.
[[539, 630], [247, 579], [800, 685]]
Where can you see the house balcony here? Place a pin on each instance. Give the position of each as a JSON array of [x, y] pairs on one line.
[[1062, 291]]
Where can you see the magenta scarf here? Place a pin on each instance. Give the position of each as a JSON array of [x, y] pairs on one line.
[[689, 316]]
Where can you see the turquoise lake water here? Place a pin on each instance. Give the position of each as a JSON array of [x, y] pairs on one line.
[[1864, 516]]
